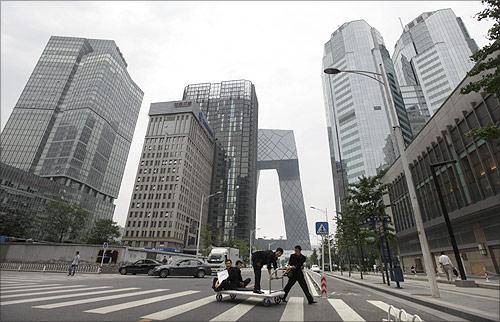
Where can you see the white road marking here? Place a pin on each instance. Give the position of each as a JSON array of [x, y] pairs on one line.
[[66, 296], [236, 312], [344, 311], [40, 289], [123, 306], [53, 292], [97, 299], [385, 307], [174, 311], [294, 310], [311, 286], [17, 287]]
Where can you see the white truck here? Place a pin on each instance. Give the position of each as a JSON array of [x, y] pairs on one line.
[[218, 255]]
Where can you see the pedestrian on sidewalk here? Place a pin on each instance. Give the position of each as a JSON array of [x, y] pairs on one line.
[[165, 260], [74, 264], [445, 263], [413, 270], [295, 273]]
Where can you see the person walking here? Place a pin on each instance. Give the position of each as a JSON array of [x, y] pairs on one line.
[[261, 258], [165, 260], [74, 264], [413, 270], [295, 273], [445, 263]]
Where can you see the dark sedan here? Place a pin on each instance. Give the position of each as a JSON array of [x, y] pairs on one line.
[[184, 267], [142, 266]]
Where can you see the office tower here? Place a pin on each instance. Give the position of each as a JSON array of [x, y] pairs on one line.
[[75, 119], [174, 172], [231, 108], [431, 58], [356, 107]]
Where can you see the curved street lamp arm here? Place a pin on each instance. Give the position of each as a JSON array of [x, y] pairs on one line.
[[361, 72]]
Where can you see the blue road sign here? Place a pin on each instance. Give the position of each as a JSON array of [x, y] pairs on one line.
[[321, 228]]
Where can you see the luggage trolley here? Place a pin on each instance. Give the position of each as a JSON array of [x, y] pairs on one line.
[[267, 296]]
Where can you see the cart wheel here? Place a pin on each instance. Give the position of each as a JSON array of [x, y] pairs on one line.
[[277, 300], [218, 297], [233, 296], [267, 302]]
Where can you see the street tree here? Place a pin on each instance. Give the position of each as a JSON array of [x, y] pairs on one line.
[[487, 63], [15, 222], [313, 259], [206, 241], [104, 231], [64, 221]]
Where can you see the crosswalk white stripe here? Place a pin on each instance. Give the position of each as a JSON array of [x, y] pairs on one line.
[[38, 299], [27, 286], [34, 289], [22, 282], [123, 306], [344, 311], [168, 313], [311, 286], [294, 310], [383, 306], [53, 292], [97, 299], [9, 282], [236, 312]]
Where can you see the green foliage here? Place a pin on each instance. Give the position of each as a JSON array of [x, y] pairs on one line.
[[486, 59], [17, 223], [64, 221], [206, 241], [313, 259], [104, 230], [487, 133]]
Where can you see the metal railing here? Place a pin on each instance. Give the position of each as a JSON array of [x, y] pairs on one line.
[[38, 267], [396, 315]]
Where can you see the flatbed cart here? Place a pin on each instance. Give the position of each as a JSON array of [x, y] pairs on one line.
[[267, 296]]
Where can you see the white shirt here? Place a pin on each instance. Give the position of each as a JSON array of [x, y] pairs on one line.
[[76, 260], [444, 260]]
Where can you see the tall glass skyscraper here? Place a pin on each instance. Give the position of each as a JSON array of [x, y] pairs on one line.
[[356, 111], [231, 109], [75, 119], [431, 58]]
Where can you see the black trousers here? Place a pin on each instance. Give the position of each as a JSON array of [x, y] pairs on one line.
[[257, 271], [303, 284]]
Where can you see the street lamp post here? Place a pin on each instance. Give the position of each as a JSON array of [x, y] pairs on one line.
[[252, 232], [453, 241], [329, 248], [424, 245], [199, 223]]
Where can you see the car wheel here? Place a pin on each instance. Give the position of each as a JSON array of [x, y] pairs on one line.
[[201, 274], [163, 273], [123, 271], [151, 272]]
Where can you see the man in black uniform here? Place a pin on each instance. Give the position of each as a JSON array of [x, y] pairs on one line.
[[239, 280], [295, 274], [261, 258]]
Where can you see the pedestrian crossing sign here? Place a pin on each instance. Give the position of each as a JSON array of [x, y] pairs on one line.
[[321, 228]]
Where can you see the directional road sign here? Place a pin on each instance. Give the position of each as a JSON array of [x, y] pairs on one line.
[[321, 228]]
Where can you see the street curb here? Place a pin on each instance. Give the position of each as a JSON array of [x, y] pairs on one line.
[[447, 309]]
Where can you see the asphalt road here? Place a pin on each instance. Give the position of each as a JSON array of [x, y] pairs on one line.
[[27, 296]]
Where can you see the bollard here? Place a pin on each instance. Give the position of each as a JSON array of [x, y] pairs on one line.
[[324, 292]]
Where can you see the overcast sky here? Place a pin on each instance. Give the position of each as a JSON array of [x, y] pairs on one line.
[[167, 45]]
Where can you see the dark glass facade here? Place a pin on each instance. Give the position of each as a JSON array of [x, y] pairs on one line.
[[470, 187], [75, 119], [231, 109]]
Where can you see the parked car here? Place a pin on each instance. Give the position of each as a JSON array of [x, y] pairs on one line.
[[183, 267], [142, 266], [315, 268]]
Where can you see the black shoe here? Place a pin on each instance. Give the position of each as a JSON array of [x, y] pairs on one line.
[[312, 302], [258, 292], [284, 300]]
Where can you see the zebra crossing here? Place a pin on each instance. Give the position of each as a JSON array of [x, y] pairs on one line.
[[43, 297]]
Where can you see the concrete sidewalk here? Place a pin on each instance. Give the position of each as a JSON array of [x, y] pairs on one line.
[[479, 303]]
